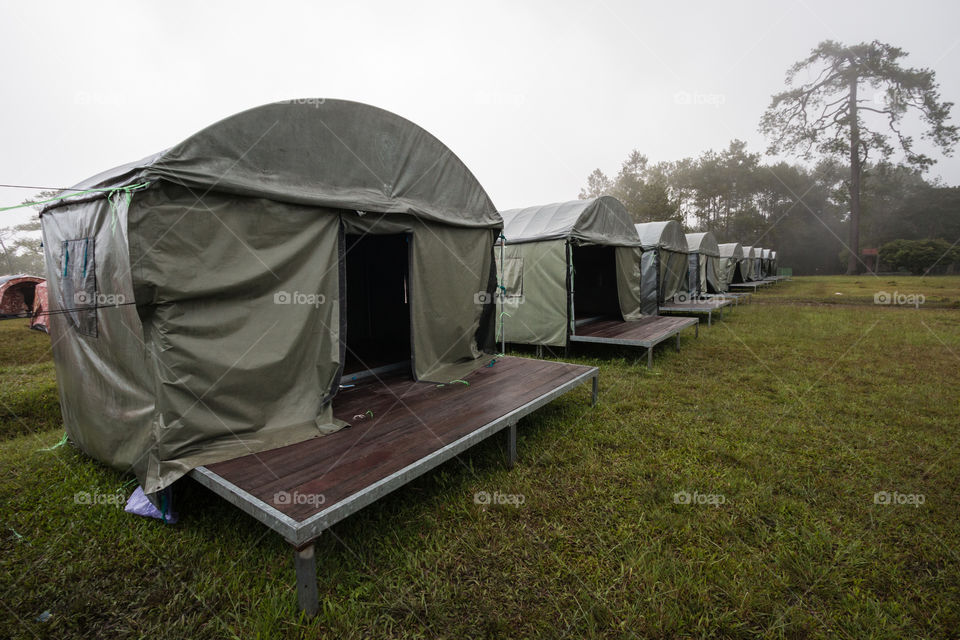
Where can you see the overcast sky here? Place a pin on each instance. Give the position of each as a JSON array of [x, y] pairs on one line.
[[531, 95]]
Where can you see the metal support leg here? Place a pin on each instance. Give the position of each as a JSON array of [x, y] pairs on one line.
[[539, 350], [305, 563], [511, 445], [649, 357], [678, 341], [596, 390], [697, 329], [709, 318]]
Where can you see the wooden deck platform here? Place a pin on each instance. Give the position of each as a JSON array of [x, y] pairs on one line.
[[647, 332], [736, 297], [399, 430], [750, 286], [698, 307]]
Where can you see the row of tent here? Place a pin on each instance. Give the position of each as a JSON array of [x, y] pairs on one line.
[[308, 241], [616, 268]]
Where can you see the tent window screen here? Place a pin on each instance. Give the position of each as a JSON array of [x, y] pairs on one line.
[[78, 285], [512, 277]]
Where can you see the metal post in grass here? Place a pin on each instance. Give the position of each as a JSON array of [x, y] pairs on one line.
[[305, 562]]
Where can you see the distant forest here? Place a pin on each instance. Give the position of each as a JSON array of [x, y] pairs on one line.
[[801, 212]]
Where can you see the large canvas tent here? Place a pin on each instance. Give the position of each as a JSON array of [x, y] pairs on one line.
[[204, 290], [761, 262], [731, 267], [749, 265], [286, 272], [664, 262], [565, 262], [704, 264]]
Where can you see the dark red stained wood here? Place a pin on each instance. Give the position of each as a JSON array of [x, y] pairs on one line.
[[649, 328], [410, 421]]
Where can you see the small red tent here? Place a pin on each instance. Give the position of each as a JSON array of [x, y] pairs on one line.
[[18, 297]]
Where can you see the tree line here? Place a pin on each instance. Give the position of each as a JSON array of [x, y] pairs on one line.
[[802, 212], [818, 216]]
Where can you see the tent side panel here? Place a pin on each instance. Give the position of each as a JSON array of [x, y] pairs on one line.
[[451, 268], [693, 273], [674, 274], [628, 282], [106, 396], [711, 274], [240, 305], [649, 285], [537, 314]]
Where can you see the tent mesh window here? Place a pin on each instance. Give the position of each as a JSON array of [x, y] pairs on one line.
[[378, 301], [78, 284]]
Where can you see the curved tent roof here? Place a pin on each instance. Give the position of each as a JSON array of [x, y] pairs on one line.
[[602, 220], [731, 250], [766, 254], [330, 153], [21, 277], [667, 235], [749, 252], [705, 243]]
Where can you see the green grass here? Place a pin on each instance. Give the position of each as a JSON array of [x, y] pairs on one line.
[[28, 393], [937, 291], [796, 414]]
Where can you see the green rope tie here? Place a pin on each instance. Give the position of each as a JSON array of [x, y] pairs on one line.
[[109, 191], [62, 442]]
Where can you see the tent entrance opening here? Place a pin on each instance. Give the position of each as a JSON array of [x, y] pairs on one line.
[[377, 302], [595, 282]]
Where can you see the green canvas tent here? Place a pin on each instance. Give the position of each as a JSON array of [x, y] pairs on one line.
[[664, 261], [749, 265], [205, 301], [704, 264], [731, 264], [760, 264], [564, 262]]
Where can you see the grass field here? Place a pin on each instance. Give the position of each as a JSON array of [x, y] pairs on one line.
[[782, 423]]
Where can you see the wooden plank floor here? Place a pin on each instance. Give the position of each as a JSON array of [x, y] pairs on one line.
[[410, 421], [645, 330]]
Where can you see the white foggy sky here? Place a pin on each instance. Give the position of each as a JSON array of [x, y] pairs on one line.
[[531, 95]]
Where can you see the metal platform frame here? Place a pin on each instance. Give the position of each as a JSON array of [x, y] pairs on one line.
[[302, 535], [722, 302], [646, 344]]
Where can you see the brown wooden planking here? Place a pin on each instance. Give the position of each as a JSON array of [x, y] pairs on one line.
[[649, 328], [338, 465], [430, 405], [378, 396], [351, 476]]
